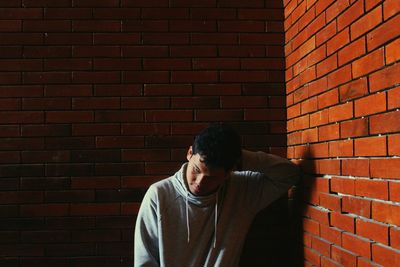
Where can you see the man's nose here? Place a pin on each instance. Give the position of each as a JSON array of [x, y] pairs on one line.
[[200, 179]]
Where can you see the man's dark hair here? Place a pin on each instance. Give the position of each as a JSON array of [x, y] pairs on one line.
[[219, 145]]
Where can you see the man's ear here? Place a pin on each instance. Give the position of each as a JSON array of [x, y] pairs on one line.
[[189, 153]]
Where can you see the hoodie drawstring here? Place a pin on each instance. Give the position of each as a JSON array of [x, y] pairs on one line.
[[215, 219], [187, 218]]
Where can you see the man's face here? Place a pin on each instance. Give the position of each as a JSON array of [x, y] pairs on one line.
[[202, 180]]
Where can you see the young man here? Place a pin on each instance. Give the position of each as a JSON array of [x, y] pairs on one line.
[[200, 216]]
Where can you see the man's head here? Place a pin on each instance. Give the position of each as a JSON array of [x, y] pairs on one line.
[[214, 154]]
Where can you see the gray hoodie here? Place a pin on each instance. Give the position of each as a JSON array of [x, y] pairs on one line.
[[175, 228]]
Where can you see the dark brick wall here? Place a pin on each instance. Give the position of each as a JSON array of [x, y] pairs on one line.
[[100, 98]]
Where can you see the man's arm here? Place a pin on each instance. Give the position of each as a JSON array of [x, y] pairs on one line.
[[146, 234], [270, 176]]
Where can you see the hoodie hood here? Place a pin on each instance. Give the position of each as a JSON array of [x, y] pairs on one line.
[[181, 185]]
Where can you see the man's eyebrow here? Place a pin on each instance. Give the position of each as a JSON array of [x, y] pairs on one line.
[[197, 168]]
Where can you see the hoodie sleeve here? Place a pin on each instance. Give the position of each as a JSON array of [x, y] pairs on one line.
[[268, 177], [146, 232]]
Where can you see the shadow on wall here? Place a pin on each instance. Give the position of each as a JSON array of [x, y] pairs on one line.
[[275, 238]]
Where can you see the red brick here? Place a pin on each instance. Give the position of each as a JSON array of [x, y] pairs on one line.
[[317, 214], [343, 185], [383, 33], [342, 148], [370, 146], [328, 132], [146, 103], [353, 89], [118, 116], [165, 38], [312, 256], [222, 115], [395, 237], [339, 76], [92, 3], [195, 102], [336, 8], [329, 262], [89, 129], [309, 105], [302, 122], [145, 129], [358, 206], [168, 115], [390, 8], [45, 156], [328, 99], [47, 210], [370, 104], [394, 193], [21, 197], [327, 65], [352, 51], [385, 123], [394, 98], [311, 226], [69, 116], [351, 14], [341, 112], [330, 166], [301, 94], [385, 168], [316, 55], [21, 250], [22, 117], [93, 209], [368, 63], [393, 51], [357, 245], [372, 188], [243, 101], [355, 167], [212, 13], [322, 5], [384, 78], [330, 201], [119, 142], [366, 23], [353, 128], [319, 118], [293, 111], [217, 64], [95, 183], [321, 246], [331, 234], [344, 257], [375, 231], [167, 90], [309, 135], [343, 221], [326, 33], [96, 76], [385, 256], [20, 65], [369, 4], [242, 51], [339, 40], [387, 213]]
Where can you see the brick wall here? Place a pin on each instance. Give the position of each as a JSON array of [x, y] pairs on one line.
[[100, 98], [343, 103]]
